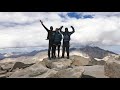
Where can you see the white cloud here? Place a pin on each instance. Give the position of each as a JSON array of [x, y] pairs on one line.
[[27, 31]]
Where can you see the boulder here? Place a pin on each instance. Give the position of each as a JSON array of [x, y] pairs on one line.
[[75, 72], [32, 71], [1, 68], [79, 61], [95, 71], [49, 74], [3, 72], [57, 63], [3, 76], [97, 61], [112, 68], [20, 65], [7, 66]]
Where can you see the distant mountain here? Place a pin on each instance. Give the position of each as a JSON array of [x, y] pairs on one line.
[[33, 53], [1, 56], [96, 52], [93, 52]]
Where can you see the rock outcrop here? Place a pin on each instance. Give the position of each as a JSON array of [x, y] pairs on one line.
[[95, 71], [75, 67], [112, 68], [32, 71], [74, 72], [56, 68], [57, 63], [20, 65], [79, 61]]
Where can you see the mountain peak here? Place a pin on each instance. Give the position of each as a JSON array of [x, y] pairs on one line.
[[96, 52]]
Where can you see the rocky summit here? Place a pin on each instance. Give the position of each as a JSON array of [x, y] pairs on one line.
[[85, 62], [75, 67]]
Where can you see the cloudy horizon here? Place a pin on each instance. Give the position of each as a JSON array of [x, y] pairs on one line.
[[23, 29]]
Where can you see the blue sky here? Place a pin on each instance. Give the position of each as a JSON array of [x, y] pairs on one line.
[[23, 29], [78, 16]]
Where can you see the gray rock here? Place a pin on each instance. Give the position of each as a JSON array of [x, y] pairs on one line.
[[75, 72], [7, 66], [95, 62], [79, 61], [112, 68], [1, 69], [32, 71], [49, 74], [95, 71], [57, 63], [20, 65], [3, 72], [3, 76]]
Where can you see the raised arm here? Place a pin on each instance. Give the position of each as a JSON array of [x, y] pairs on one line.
[[44, 26], [72, 29], [61, 29]]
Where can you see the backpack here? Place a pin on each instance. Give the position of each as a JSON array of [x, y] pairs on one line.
[[57, 37], [66, 37]]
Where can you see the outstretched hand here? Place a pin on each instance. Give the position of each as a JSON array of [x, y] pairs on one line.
[[72, 27], [61, 27], [41, 21]]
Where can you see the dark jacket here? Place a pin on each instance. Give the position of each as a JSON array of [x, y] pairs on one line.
[[67, 33]]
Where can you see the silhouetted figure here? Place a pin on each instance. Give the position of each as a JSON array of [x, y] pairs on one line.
[[66, 41], [50, 32], [57, 37]]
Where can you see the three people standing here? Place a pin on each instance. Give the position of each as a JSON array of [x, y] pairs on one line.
[[55, 38]]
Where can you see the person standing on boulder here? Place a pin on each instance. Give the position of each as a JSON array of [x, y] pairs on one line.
[[66, 41], [57, 37], [50, 32]]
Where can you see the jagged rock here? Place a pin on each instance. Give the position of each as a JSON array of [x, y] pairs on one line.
[[95, 71], [20, 65], [1, 68], [79, 61], [3, 76], [102, 62], [112, 68], [7, 66], [32, 71], [75, 72], [8, 74], [49, 74], [3, 72], [58, 63], [96, 62], [112, 57]]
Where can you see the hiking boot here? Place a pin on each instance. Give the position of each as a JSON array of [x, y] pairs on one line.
[[54, 57], [58, 57], [49, 58], [67, 57]]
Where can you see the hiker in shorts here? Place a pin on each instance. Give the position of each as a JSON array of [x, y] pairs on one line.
[[66, 41]]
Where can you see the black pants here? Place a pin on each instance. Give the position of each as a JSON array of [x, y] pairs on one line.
[[50, 49], [66, 46], [56, 44]]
